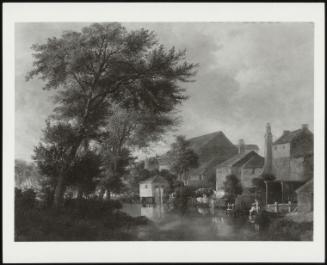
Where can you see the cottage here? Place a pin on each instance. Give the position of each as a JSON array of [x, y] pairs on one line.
[[290, 160], [305, 197], [153, 190], [246, 165], [293, 155], [212, 149]]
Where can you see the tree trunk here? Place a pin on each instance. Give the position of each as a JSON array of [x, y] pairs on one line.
[[59, 192], [101, 193]]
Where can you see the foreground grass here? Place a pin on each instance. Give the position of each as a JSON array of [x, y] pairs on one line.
[[79, 221]]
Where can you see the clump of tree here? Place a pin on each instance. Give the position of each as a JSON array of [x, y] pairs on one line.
[[26, 175], [232, 187], [94, 71], [182, 158]]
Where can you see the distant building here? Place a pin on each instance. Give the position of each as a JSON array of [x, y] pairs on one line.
[[151, 164], [242, 147], [212, 149], [246, 165], [293, 155], [163, 162], [290, 160], [153, 190], [305, 197]]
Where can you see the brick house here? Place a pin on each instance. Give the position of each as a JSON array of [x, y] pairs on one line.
[[246, 165], [293, 155]]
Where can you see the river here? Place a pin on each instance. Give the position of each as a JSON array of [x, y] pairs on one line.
[[202, 224]]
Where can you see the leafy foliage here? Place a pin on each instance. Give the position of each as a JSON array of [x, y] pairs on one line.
[[105, 64], [27, 175], [182, 157], [232, 187], [52, 153], [84, 172], [106, 77]]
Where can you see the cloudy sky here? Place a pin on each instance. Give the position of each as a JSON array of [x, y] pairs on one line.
[[249, 74]]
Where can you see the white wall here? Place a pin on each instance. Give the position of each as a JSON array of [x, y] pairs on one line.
[[281, 150], [146, 190]]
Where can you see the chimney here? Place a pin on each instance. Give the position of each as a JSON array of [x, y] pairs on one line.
[[304, 126], [241, 146], [268, 165]]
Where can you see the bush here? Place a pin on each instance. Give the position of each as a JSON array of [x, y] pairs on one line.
[[244, 201], [91, 208], [25, 198], [283, 229], [203, 191], [83, 220]]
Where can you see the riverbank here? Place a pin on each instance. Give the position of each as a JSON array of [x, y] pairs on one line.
[[292, 227], [87, 221]]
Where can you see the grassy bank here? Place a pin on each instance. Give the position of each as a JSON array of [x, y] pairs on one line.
[[288, 229], [86, 220]]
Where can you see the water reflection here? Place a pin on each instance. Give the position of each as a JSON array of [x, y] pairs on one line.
[[198, 223], [153, 212]]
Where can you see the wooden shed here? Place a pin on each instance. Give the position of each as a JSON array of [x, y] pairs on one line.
[[153, 190]]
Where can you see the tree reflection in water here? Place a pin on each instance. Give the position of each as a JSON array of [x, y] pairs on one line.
[[192, 223]]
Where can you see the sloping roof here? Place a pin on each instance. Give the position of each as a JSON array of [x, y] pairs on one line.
[[290, 136], [251, 147], [256, 161], [212, 149], [163, 159], [306, 187], [200, 141], [238, 159], [155, 179]]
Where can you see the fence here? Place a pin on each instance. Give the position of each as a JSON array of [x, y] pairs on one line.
[[280, 207]]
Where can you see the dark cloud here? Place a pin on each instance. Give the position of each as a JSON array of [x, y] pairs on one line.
[[249, 74]]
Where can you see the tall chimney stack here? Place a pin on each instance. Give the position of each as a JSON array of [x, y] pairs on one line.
[[241, 146], [268, 165]]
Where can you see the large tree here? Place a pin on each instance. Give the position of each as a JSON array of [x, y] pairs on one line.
[[52, 155], [105, 64], [182, 158], [84, 173]]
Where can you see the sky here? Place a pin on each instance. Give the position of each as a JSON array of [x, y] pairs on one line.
[[249, 74]]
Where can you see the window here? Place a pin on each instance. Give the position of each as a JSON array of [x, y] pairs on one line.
[[145, 186]]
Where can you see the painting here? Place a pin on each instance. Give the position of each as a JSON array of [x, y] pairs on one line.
[[165, 131]]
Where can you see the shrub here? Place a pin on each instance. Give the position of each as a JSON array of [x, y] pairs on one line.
[[91, 208], [203, 191], [283, 229], [25, 198]]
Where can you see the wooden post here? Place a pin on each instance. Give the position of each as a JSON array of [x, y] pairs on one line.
[[282, 185], [276, 207], [266, 182]]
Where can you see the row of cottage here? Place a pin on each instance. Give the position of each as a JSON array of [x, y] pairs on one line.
[[289, 159]]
